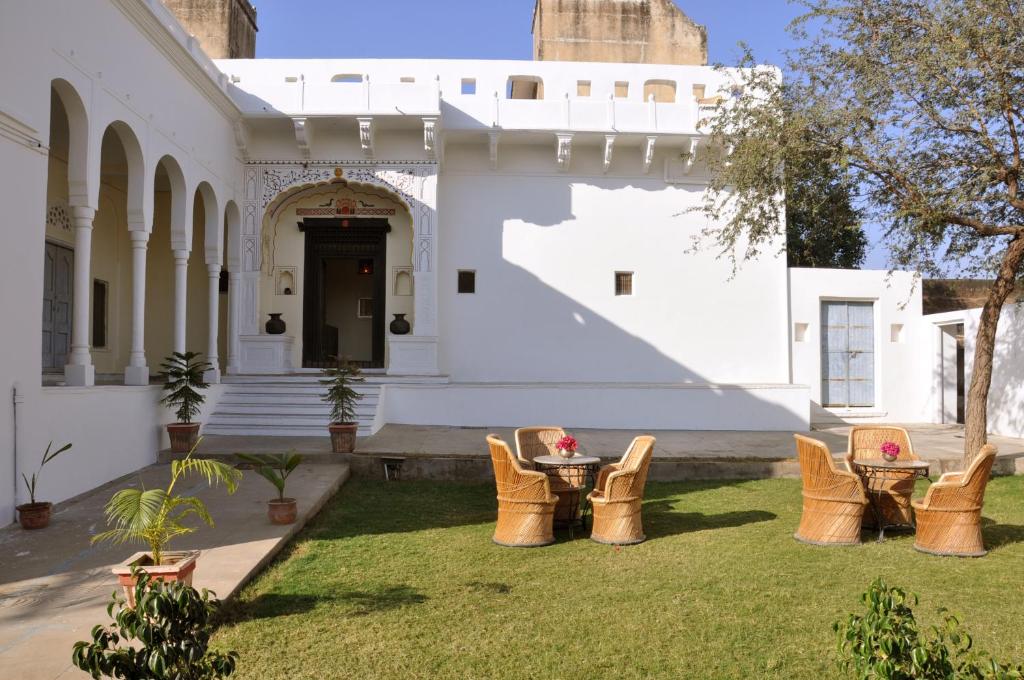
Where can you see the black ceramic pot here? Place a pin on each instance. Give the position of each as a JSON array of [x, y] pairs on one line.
[[400, 326], [276, 324]]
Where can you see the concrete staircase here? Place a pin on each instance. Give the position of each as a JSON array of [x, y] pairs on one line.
[[284, 406]]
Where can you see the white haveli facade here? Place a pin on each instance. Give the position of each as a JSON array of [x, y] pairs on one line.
[[540, 249]]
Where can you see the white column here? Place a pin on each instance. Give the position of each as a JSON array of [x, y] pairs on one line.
[[79, 369], [180, 298], [137, 372], [213, 274], [234, 288]]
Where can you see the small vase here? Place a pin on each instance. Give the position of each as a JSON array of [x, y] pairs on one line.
[[276, 325], [566, 453], [400, 326], [890, 457]]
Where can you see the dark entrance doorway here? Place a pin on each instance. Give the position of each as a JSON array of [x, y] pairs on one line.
[[344, 290]]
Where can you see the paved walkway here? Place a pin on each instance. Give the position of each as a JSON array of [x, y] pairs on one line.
[[54, 585], [932, 442]]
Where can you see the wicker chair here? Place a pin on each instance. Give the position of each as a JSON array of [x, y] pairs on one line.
[[949, 516], [618, 496], [894, 494], [526, 506], [540, 441], [834, 499]]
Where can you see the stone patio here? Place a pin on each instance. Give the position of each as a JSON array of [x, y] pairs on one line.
[[54, 585]]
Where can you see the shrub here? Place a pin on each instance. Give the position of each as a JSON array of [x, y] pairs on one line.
[[340, 394], [183, 380], [886, 642], [170, 626]]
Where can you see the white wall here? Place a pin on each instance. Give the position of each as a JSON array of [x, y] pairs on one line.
[[1006, 395], [545, 247], [126, 61], [902, 375]]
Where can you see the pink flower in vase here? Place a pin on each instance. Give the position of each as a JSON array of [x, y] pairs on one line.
[[890, 450], [567, 444]]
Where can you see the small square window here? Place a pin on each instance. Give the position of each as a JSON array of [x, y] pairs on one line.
[[407, 79], [469, 86], [365, 310], [467, 281], [582, 88], [800, 332], [621, 89], [896, 332], [623, 283]]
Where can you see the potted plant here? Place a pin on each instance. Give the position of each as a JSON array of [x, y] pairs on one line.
[[890, 451], [167, 636], [566, 446], [275, 468], [183, 378], [33, 515], [155, 516], [339, 380]]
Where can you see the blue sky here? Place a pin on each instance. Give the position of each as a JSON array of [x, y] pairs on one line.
[[490, 29]]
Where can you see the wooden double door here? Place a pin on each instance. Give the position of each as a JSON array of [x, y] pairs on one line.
[[363, 243], [58, 292]]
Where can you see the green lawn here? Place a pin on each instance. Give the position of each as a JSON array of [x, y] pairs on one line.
[[401, 580]]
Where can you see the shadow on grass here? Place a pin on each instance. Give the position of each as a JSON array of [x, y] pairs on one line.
[[660, 520], [349, 604], [999, 535]]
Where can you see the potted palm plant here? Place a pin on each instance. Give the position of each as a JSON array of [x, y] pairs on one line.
[[342, 397], [33, 515], [275, 468], [155, 516], [183, 380]]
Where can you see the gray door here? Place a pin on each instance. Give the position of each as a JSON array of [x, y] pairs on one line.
[[847, 353], [58, 277]]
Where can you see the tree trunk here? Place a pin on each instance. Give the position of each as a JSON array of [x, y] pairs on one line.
[[976, 417]]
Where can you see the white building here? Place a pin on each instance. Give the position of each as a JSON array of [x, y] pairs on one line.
[[540, 249]]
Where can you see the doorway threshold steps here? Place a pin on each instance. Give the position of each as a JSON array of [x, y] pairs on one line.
[[284, 406]]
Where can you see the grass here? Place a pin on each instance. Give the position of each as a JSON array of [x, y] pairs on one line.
[[401, 580]]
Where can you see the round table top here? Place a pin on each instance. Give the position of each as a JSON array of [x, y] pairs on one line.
[[882, 464], [575, 460]]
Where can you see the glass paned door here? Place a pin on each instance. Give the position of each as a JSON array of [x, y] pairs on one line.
[[847, 353]]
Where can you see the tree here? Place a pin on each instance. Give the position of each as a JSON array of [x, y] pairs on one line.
[[822, 225], [918, 103]]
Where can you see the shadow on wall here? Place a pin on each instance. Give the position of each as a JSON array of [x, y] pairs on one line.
[[561, 322], [1005, 415]]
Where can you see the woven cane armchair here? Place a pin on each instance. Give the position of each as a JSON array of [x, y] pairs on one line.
[[949, 516], [541, 441], [526, 506], [833, 499], [618, 496], [865, 443]]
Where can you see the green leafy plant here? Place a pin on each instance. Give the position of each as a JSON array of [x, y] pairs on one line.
[[183, 378], [171, 627], [886, 642], [340, 395], [275, 468], [155, 516], [30, 482]]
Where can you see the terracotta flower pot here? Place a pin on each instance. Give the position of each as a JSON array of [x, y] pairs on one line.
[[282, 511], [34, 515], [178, 566], [343, 437], [183, 436]]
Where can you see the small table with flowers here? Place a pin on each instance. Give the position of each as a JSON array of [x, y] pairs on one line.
[[579, 472], [876, 473]]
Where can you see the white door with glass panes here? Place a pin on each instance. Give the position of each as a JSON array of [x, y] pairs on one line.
[[847, 353]]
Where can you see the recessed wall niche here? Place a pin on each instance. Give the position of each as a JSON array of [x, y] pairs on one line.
[[402, 281], [284, 280]]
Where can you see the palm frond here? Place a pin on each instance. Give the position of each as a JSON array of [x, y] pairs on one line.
[[189, 505], [213, 471]]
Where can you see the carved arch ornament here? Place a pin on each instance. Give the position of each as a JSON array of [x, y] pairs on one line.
[[267, 187]]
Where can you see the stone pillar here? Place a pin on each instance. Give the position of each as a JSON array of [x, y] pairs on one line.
[[137, 372], [234, 288], [79, 370], [180, 298], [213, 275]]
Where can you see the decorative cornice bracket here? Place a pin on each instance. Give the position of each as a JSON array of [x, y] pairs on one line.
[[366, 135], [609, 147], [301, 126], [649, 153], [494, 137], [563, 153], [690, 155]]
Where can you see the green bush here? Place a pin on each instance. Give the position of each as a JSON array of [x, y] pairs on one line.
[[171, 629], [886, 643]]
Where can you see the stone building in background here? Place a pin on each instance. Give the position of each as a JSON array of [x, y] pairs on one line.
[[225, 28], [619, 31]]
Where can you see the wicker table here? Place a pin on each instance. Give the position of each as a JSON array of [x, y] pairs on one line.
[[579, 471], [875, 473]]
